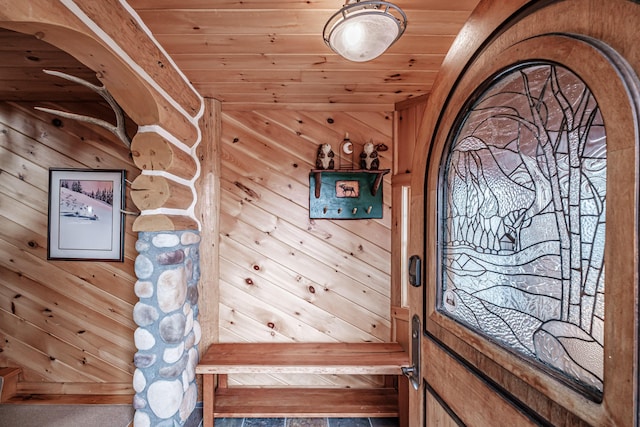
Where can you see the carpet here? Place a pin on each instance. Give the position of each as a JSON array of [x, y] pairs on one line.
[[36, 415]]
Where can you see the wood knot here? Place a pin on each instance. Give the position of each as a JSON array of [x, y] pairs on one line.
[[246, 189]]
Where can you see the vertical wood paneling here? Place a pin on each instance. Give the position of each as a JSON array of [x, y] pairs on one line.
[[67, 324], [285, 277]]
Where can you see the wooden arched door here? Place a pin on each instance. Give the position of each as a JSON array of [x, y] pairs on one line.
[[527, 218]]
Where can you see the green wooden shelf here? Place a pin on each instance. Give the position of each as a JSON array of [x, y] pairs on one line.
[[346, 193]]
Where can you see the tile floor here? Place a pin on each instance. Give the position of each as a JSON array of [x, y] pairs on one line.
[[306, 422]]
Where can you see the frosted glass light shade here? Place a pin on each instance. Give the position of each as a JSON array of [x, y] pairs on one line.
[[362, 31]]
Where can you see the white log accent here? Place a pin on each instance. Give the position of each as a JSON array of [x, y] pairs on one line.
[[152, 192], [151, 151]]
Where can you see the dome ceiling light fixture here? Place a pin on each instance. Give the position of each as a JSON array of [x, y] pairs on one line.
[[363, 30]]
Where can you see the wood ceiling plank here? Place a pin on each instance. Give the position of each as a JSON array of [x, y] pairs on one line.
[[376, 77], [200, 67], [466, 5], [319, 106], [238, 43], [312, 44], [357, 101], [295, 21], [257, 88]]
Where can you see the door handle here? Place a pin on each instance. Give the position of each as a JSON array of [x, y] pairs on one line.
[[415, 271], [413, 372]]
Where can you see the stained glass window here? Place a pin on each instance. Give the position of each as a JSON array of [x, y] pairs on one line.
[[522, 221]]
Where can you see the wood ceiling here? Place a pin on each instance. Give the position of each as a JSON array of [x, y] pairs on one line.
[[256, 53]]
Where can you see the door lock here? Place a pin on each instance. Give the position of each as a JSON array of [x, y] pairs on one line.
[[413, 372]]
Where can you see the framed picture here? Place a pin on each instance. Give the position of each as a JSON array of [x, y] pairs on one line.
[[86, 220], [348, 189]]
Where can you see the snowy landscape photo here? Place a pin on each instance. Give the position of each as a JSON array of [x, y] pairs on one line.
[[85, 214]]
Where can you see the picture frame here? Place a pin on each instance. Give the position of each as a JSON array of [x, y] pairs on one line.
[[86, 214]]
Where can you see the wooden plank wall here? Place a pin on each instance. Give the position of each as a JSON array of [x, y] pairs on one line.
[[67, 324], [285, 277]]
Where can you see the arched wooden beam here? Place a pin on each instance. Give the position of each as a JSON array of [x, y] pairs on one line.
[[108, 38]]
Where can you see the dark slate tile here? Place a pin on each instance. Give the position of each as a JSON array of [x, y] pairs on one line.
[[384, 422], [349, 422], [307, 422], [264, 422], [195, 419], [229, 422]]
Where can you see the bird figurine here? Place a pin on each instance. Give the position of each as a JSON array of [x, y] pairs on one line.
[[369, 157], [324, 159]]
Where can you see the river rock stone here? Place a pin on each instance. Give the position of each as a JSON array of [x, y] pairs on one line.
[[188, 265], [143, 289], [142, 246], [185, 381], [192, 295], [165, 397], [189, 341], [189, 323], [191, 365], [139, 381], [167, 338], [139, 402], [165, 240], [144, 360], [171, 258], [141, 419], [172, 328], [174, 371], [143, 267], [189, 238], [143, 339], [173, 354], [172, 289], [197, 331], [144, 314], [188, 402]]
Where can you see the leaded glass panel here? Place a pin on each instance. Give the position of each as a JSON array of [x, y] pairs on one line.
[[522, 221]]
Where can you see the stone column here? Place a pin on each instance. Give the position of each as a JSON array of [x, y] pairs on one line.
[[167, 268]]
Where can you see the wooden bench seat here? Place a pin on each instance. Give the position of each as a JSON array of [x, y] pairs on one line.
[[303, 358]]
